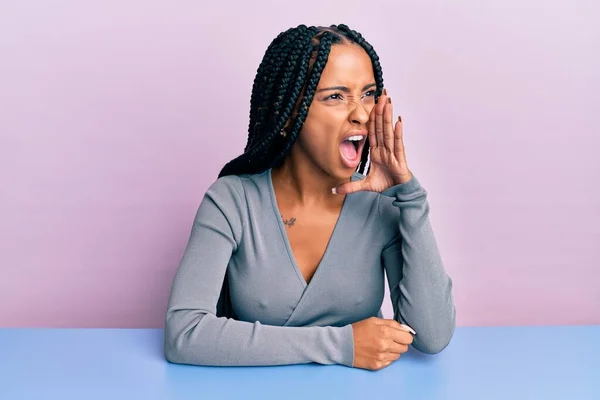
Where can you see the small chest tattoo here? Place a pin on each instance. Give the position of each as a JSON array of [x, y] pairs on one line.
[[289, 222]]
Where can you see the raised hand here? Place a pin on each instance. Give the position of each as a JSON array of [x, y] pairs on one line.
[[388, 158]]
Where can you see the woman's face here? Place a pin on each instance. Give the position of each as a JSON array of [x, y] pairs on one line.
[[340, 109]]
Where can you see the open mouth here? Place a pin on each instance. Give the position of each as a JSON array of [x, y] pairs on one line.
[[351, 150]]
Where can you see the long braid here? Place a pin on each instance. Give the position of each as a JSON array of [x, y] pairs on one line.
[[265, 79], [286, 79], [318, 67], [261, 132], [272, 104], [290, 88]]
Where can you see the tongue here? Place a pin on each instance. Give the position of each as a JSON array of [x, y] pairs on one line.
[[348, 150]]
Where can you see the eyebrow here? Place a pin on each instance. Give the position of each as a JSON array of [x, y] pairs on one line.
[[344, 88]]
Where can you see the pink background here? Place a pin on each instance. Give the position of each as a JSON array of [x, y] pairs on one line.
[[116, 116]]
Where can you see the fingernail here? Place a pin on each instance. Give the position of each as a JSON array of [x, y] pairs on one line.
[[399, 118], [334, 190], [408, 329], [390, 100], [385, 92]]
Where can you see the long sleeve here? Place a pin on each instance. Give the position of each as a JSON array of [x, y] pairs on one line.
[[420, 288], [194, 334]]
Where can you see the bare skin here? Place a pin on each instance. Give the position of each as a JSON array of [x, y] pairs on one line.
[[303, 184]]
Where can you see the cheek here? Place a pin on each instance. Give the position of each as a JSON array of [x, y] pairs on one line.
[[321, 130], [318, 132], [313, 140]]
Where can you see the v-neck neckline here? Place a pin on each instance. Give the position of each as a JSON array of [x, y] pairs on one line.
[[286, 240]]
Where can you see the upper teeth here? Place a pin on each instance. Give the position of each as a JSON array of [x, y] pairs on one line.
[[354, 138]]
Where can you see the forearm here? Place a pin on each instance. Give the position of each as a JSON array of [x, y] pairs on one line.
[[419, 285], [195, 337]]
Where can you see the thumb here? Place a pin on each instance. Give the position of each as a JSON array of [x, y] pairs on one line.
[[349, 187]]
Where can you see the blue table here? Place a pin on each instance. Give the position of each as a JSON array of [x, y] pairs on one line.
[[508, 363]]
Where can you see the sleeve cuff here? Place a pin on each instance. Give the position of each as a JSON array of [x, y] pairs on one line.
[[345, 345], [411, 187]]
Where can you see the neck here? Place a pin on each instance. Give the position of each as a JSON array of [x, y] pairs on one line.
[[305, 184]]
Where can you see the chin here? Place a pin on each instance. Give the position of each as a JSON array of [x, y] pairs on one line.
[[341, 172]]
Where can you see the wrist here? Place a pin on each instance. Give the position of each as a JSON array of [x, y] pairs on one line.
[[402, 179]]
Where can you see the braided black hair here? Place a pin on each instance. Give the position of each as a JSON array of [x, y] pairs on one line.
[[287, 79]]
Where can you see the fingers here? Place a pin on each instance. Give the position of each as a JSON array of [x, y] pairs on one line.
[[371, 128], [379, 365], [385, 360], [388, 126], [392, 323], [399, 139], [399, 336], [397, 348], [349, 187], [381, 124], [390, 357], [379, 108], [398, 333]]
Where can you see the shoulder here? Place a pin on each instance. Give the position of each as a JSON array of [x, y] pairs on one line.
[[223, 206], [225, 188], [240, 189]]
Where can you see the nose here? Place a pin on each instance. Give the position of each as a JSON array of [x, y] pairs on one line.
[[359, 114]]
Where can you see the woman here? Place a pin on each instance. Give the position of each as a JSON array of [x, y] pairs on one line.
[[286, 258]]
